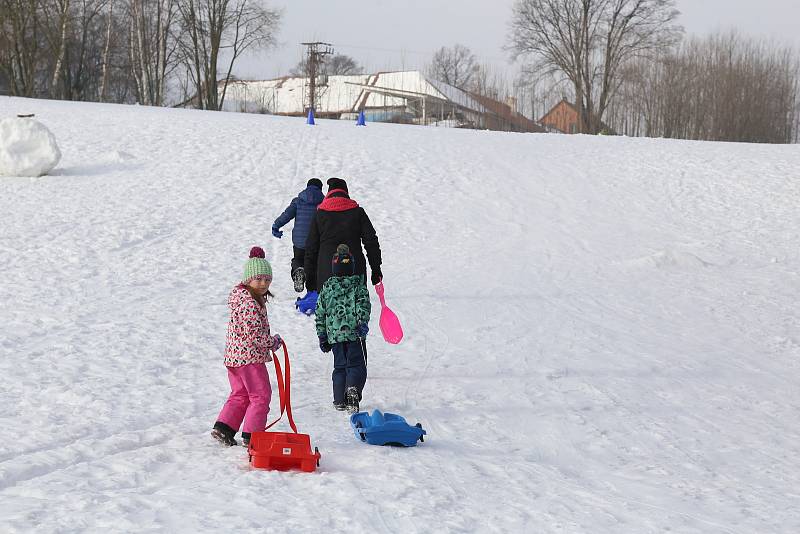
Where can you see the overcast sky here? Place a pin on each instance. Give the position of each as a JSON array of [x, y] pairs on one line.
[[393, 35]]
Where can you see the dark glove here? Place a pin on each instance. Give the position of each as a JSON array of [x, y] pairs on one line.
[[277, 342], [324, 346], [277, 232], [377, 276], [362, 330]]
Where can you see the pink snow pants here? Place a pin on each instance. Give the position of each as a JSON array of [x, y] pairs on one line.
[[249, 398]]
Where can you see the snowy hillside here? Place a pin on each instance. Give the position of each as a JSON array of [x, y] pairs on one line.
[[602, 334]]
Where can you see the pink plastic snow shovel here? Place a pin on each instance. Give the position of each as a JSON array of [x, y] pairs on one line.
[[390, 324]]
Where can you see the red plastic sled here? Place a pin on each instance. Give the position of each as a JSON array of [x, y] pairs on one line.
[[283, 450]]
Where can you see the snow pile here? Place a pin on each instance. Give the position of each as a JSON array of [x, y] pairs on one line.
[[27, 148]]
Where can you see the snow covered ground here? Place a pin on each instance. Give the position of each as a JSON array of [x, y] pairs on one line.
[[602, 333]]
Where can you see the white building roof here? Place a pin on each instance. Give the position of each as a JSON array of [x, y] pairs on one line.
[[342, 94]]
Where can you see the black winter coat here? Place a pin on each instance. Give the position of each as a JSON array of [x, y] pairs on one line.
[[329, 229]]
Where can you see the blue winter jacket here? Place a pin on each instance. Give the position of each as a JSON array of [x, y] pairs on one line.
[[302, 210]]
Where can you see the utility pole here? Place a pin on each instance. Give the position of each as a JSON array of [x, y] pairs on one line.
[[316, 53]]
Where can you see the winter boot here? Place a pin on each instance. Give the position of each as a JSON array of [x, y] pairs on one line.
[[340, 406], [245, 439], [224, 434], [352, 399], [299, 277]]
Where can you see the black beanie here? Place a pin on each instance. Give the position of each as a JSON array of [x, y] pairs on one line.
[[316, 182], [343, 263], [336, 183]]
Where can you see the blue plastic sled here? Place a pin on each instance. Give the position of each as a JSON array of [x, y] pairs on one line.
[[385, 429], [307, 304]]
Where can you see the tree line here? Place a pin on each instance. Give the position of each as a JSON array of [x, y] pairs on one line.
[[625, 64], [723, 87], [629, 69], [129, 51]]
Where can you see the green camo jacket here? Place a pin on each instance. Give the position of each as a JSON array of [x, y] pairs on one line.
[[342, 305]]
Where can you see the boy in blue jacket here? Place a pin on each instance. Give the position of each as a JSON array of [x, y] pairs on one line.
[[302, 209]]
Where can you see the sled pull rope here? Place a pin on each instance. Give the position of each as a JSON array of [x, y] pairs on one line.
[[284, 389]]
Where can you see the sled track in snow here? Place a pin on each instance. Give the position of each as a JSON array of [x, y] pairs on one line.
[[41, 463]]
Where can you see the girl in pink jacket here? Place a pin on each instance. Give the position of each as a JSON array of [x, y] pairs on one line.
[[248, 346]]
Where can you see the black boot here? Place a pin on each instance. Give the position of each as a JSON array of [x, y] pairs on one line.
[[299, 277], [341, 405], [224, 434], [246, 439], [352, 397]]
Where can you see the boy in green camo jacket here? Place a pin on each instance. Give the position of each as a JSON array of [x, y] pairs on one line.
[[342, 318]]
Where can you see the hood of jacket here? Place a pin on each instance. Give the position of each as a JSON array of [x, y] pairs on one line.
[[311, 195], [345, 283], [337, 200]]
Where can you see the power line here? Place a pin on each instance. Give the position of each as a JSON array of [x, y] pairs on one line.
[[417, 52]]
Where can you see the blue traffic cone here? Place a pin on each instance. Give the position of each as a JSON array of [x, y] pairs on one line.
[[310, 117], [361, 120]]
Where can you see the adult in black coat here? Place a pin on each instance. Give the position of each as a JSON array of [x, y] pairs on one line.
[[339, 219]]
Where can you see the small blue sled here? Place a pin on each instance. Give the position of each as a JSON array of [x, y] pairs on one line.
[[385, 429], [307, 304]]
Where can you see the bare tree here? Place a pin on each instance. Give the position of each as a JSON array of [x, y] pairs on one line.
[[489, 81], [151, 47], [101, 94], [337, 64], [75, 49], [589, 41], [61, 43], [20, 44], [216, 28], [456, 66], [74, 42], [301, 69], [722, 87], [341, 64], [113, 57], [538, 93]]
